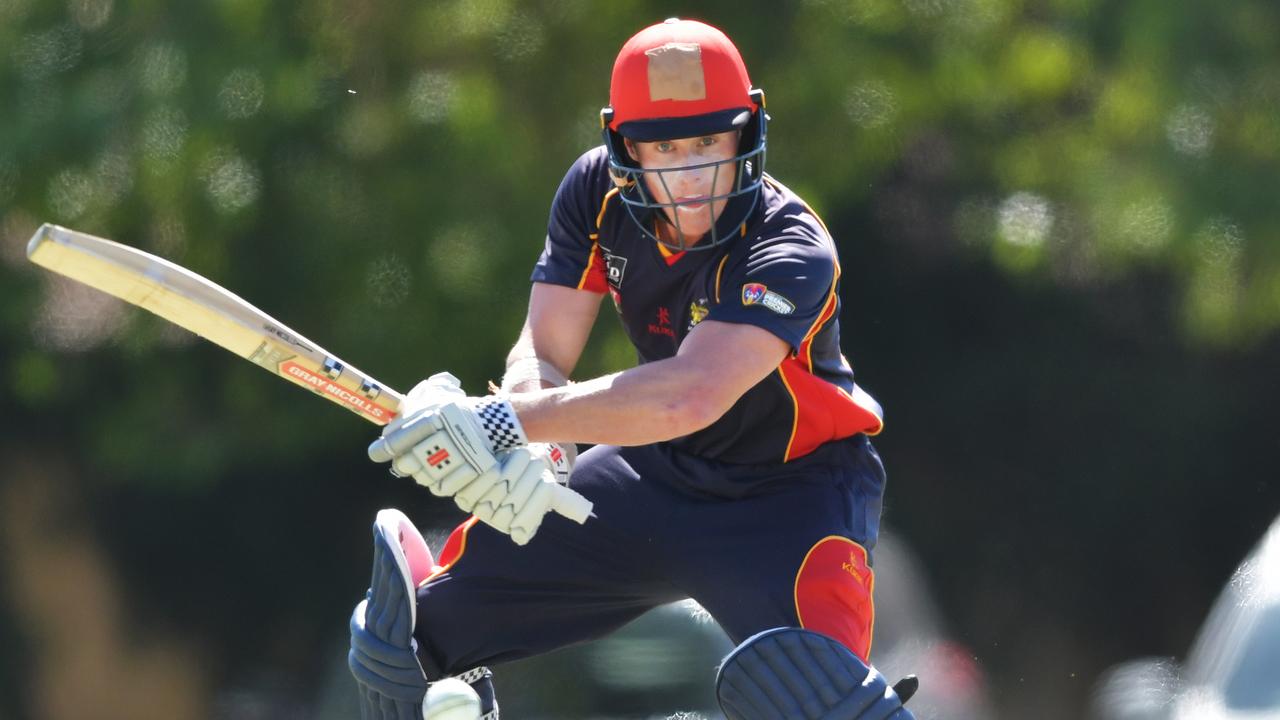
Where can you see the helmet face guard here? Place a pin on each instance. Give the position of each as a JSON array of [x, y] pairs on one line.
[[646, 210]]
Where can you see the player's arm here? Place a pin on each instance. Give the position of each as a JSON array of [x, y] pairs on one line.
[[555, 331], [715, 365]]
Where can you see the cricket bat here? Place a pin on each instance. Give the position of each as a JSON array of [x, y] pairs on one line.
[[211, 311]]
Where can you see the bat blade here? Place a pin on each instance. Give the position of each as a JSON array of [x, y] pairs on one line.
[[222, 317], [207, 309]]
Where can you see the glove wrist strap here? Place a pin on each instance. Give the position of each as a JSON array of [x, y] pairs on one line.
[[499, 423]]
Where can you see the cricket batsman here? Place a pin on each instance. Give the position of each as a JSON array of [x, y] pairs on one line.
[[731, 465]]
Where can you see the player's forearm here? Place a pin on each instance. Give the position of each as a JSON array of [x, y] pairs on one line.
[[650, 403]]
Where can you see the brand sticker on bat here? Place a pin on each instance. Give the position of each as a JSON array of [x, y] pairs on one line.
[[304, 377], [269, 356], [286, 336]]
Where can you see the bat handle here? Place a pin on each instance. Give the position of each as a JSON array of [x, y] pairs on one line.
[[568, 503]]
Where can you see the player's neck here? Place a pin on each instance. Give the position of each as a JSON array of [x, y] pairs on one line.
[[673, 238]]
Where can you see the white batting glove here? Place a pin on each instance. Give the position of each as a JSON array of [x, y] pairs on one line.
[[444, 439], [524, 489], [474, 450]]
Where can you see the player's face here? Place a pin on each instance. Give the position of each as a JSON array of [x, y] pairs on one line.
[[692, 214]]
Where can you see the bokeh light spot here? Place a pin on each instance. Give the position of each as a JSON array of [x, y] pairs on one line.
[[1145, 225], [162, 68], [522, 37], [74, 317], [91, 14], [387, 281], [241, 94], [1025, 219], [70, 193], [40, 55], [457, 259], [1190, 130], [431, 96], [1220, 241], [871, 104], [231, 181], [164, 132]]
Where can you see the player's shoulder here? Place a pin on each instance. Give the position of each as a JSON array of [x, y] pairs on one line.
[[590, 171], [788, 231], [786, 213]]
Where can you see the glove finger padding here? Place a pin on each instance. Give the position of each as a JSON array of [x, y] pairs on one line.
[[522, 487], [529, 518], [474, 492]]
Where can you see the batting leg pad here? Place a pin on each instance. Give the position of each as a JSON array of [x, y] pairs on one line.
[[383, 656], [794, 674]]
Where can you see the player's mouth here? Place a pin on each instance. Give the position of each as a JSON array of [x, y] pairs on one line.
[[692, 202]]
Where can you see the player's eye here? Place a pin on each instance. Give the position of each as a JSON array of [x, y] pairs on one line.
[[665, 147], [708, 140]]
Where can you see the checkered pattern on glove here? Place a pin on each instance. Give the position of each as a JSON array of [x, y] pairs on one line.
[[500, 425]]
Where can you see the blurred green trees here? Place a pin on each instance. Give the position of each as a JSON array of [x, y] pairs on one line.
[[377, 176]]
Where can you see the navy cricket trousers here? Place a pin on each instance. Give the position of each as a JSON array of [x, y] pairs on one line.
[[757, 546]]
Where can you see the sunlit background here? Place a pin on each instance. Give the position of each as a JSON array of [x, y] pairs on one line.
[[1059, 223]]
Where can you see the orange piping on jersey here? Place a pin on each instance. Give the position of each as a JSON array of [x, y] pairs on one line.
[[828, 311], [870, 587], [670, 257], [720, 270], [603, 204], [449, 553], [594, 259], [592, 264]]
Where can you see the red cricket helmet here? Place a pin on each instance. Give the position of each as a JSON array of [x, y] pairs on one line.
[[679, 79]]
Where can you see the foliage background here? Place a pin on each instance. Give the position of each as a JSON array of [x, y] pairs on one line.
[[1060, 232]]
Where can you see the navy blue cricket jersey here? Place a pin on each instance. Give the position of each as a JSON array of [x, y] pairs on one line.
[[781, 273]]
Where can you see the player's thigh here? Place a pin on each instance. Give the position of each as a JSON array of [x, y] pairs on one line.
[[797, 557], [496, 601]]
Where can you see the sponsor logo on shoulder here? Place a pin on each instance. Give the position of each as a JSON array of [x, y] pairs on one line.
[[759, 294], [616, 266]]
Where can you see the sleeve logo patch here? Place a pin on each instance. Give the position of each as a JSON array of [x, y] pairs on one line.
[[758, 294]]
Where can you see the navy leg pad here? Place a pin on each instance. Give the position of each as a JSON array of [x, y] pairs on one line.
[[383, 655], [795, 674]]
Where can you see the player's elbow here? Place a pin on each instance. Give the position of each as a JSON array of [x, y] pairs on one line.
[[695, 408]]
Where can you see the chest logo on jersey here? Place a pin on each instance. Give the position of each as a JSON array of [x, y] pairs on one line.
[[615, 265], [662, 324], [758, 294], [697, 312]]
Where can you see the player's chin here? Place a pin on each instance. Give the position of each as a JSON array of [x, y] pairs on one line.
[[694, 220]]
